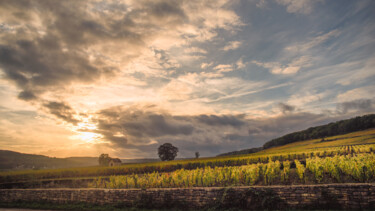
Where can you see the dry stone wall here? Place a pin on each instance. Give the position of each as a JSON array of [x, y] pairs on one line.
[[332, 196]]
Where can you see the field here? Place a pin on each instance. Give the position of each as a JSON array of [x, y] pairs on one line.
[[336, 159]]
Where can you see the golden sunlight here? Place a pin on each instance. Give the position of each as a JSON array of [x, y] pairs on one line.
[[84, 131], [88, 137]]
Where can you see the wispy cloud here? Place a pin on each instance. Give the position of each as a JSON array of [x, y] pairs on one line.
[[291, 68], [232, 45], [299, 6], [223, 68]]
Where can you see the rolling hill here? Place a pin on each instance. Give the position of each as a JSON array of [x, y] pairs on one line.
[[16, 160], [10, 160], [314, 135]]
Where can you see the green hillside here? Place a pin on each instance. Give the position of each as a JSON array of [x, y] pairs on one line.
[[331, 129], [355, 138], [315, 134]]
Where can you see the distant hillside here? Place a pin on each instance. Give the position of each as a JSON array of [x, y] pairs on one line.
[[140, 160], [16, 160], [242, 152], [331, 129]]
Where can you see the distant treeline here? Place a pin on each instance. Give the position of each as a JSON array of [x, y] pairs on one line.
[[242, 152], [331, 129]]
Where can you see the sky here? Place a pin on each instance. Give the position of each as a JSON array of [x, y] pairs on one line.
[[81, 78]]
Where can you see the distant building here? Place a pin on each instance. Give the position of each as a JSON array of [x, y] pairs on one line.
[[114, 162]]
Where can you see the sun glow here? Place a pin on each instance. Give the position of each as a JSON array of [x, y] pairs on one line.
[[88, 137], [85, 133]]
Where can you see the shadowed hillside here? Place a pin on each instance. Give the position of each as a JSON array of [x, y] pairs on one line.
[[16, 160]]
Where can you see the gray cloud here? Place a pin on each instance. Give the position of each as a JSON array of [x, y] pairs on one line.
[[285, 107], [141, 127], [51, 45], [27, 96], [62, 111], [224, 120], [56, 59], [57, 53], [361, 105], [146, 128]]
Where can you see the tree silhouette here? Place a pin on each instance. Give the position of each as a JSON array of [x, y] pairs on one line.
[[104, 159], [167, 152]]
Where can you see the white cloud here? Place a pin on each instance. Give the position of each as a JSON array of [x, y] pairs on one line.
[[224, 68], [306, 98], [299, 6], [177, 90], [366, 92], [251, 88], [206, 65], [240, 64], [195, 50], [298, 55], [291, 68], [232, 45], [357, 75]]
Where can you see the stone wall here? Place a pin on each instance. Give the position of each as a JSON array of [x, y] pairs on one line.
[[332, 196]]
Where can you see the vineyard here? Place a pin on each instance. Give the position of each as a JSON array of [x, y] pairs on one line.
[[354, 168], [308, 162]]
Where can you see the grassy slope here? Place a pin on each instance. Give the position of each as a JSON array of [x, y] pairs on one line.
[[360, 137]]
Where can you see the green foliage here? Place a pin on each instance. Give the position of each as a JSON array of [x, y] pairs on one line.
[[361, 167], [316, 167], [286, 171], [200, 177], [300, 169], [271, 172]]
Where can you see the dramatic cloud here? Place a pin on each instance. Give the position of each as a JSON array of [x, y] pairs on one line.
[[61, 111], [142, 126], [147, 127], [61, 43]]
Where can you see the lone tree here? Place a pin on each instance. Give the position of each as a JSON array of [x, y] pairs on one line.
[[104, 159], [167, 152], [197, 154]]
